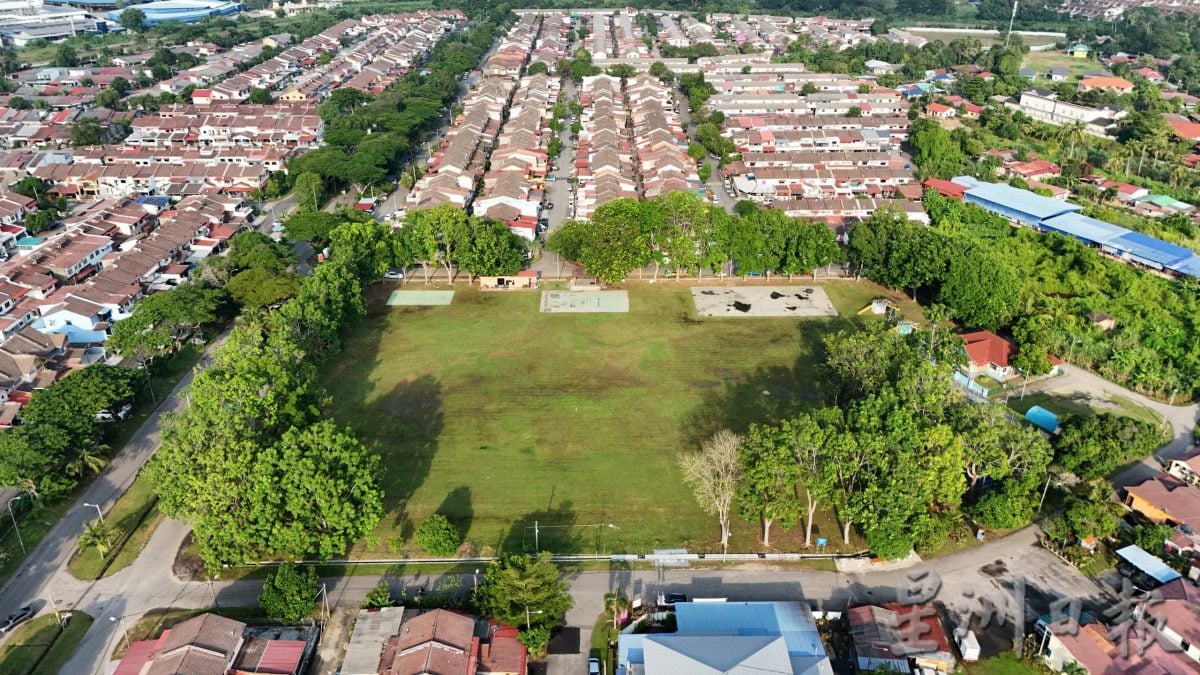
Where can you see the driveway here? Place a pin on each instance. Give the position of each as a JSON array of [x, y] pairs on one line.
[[1181, 418]]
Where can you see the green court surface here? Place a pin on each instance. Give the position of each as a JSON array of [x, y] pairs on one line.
[[420, 298]]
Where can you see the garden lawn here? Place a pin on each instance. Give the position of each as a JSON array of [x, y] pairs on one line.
[[501, 417], [1066, 405]]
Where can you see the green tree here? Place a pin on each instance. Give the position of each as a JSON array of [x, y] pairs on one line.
[[256, 287], [86, 131], [539, 68], [980, 288], [521, 590], [437, 536], [290, 593], [769, 476], [133, 19], [65, 57], [315, 492], [934, 152], [1152, 538], [491, 250], [261, 96], [615, 602], [616, 243], [311, 225], [369, 248]]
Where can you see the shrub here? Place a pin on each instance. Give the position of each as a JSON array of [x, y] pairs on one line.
[[380, 596], [438, 537], [290, 594]]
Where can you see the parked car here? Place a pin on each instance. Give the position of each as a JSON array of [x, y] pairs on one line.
[[593, 666], [671, 599], [394, 274], [120, 413], [17, 618]]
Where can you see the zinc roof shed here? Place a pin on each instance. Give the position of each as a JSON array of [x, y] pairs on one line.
[[1148, 250], [1084, 228], [1022, 206]]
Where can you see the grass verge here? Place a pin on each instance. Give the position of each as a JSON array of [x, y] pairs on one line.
[[42, 646], [133, 519]]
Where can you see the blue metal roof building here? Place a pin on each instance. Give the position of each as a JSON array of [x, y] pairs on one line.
[[1051, 215], [1151, 566], [1084, 228], [1013, 203], [183, 11]]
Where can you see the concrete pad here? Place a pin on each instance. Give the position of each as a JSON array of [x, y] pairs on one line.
[[584, 302], [420, 298], [760, 301]]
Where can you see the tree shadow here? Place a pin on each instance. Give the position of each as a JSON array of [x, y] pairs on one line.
[[552, 529], [405, 427]]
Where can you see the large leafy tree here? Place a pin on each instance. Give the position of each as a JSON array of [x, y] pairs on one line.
[[367, 248], [526, 591], [314, 492], [491, 249], [616, 243], [769, 478], [980, 288]]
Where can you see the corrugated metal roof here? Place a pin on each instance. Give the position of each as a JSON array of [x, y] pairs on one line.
[[1151, 249], [1016, 199], [1147, 563], [1084, 227]]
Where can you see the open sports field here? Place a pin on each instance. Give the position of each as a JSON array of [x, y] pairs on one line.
[[499, 415]]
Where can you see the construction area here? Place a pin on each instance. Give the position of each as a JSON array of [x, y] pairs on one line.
[[763, 301]]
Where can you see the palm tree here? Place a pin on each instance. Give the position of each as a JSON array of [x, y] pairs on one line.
[[615, 601], [1071, 134], [98, 536], [90, 460]]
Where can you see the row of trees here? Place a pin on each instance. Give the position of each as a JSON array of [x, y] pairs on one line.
[[679, 232], [253, 463], [899, 452]]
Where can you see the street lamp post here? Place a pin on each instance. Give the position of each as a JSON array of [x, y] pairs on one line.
[[113, 619], [1172, 399], [527, 617], [98, 511], [216, 605], [14, 521], [475, 579]]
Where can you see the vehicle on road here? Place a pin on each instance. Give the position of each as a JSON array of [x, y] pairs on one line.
[[277, 226], [16, 618], [394, 274], [593, 666]]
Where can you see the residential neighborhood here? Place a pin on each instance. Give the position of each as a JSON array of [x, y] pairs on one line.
[[393, 338]]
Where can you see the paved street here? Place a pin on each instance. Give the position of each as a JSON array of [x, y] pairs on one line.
[[987, 571]]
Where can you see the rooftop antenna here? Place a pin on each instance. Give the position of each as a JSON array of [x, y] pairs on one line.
[[1011, 19]]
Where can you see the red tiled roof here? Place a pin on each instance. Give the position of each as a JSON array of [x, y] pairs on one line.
[[946, 188], [985, 347]]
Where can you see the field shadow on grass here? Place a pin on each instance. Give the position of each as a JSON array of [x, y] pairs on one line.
[[766, 396], [412, 412], [553, 529]]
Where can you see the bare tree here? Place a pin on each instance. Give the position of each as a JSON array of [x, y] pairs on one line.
[[714, 474]]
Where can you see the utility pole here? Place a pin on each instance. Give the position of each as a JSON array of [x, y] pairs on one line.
[[1011, 20], [14, 522]]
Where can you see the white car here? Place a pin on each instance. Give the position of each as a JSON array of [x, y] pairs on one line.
[[394, 274], [593, 666]]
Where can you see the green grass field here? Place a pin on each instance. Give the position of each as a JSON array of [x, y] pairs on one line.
[[501, 417], [42, 647], [1044, 61]]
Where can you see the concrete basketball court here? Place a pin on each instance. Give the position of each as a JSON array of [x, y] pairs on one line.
[[584, 302], [420, 298], [762, 301]]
